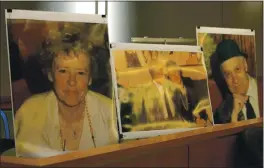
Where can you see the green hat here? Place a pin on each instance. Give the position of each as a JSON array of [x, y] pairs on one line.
[[227, 49]]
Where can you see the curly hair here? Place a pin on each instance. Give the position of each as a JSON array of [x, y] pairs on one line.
[[66, 40]]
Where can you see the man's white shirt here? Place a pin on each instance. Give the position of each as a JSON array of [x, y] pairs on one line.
[[253, 97]]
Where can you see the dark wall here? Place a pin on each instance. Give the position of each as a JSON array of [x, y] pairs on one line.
[[176, 19], [179, 19]]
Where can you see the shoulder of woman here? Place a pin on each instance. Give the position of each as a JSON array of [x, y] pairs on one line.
[[37, 98], [36, 101]]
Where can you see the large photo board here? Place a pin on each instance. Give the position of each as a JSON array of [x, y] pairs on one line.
[[61, 82], [160, 89], [230, 58]]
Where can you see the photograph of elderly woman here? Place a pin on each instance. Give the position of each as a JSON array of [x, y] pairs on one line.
[[160, 90], [231, 65], [61, 85]]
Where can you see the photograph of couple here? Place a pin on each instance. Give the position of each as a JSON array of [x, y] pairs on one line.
[[159, 90]]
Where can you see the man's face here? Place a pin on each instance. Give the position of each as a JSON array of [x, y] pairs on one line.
[[174, 75], [235, 75], [157, 74], [71, 77]]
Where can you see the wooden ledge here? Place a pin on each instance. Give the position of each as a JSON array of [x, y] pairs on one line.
[[143, 145]]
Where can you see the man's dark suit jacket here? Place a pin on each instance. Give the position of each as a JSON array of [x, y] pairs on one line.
[[196, 90], [223, 113], [126, 110], [178, 99]]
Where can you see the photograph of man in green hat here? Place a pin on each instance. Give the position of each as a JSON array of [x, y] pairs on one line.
[[231, 64], [241, 103]]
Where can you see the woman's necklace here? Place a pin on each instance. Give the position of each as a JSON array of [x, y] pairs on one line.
[[63, 141]]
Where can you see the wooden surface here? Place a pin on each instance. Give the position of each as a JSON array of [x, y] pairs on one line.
[[140, 157], [157, 150], [218, 152], [168, 157]]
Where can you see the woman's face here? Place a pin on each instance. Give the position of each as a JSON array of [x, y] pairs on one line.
[[71, 76]]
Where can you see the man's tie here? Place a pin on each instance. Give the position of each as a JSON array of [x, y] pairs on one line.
[[250, 110], [240, 116]]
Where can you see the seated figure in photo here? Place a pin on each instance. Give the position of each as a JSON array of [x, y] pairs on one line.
[[182, 95], [70, 117], [187, 106], [241, 103]]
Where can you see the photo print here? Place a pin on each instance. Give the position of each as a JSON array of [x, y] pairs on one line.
[[160, 89], [61, 82], [230, 59]]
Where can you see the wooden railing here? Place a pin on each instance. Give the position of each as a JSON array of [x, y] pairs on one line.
[[177, 150]]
